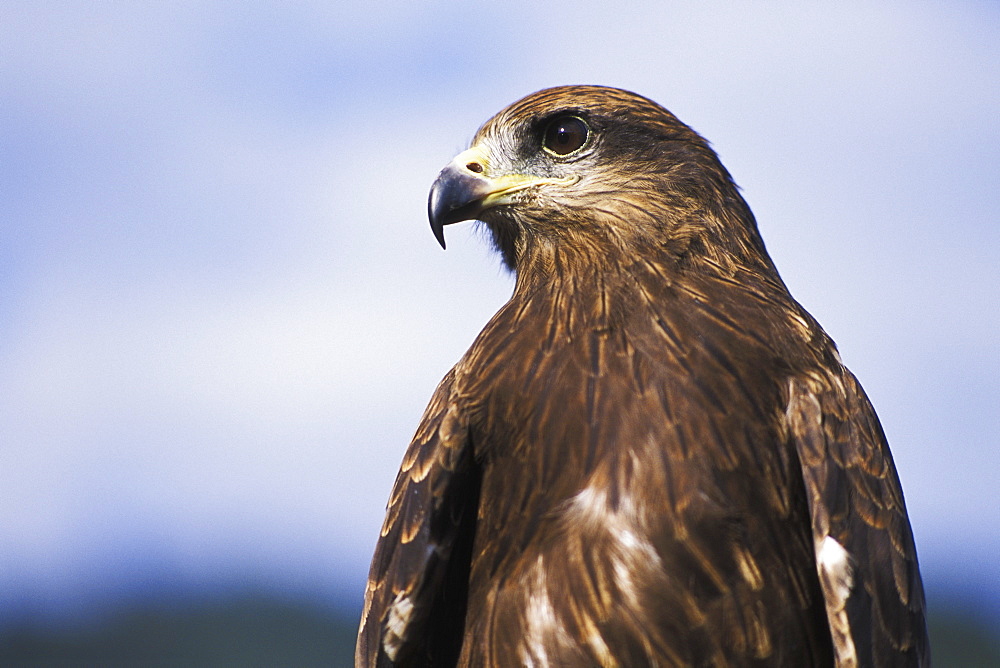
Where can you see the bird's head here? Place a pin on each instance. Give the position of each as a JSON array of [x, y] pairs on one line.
[[597, 170]]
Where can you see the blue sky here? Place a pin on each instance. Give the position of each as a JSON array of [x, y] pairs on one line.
[[222, 310]]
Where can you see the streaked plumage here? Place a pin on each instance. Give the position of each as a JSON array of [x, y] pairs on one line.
[[651, 455]]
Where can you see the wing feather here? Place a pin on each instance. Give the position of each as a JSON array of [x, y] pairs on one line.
[[415, 598], [855, 499]]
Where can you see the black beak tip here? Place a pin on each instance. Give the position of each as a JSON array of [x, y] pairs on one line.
[[438, 231], [436, 215]]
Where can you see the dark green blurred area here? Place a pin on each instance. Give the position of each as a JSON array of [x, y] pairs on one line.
[[243, 631], [260, 631]]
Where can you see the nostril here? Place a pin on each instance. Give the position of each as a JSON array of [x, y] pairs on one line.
[[474, 167]]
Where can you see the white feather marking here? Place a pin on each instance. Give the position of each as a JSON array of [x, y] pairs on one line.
[[590, 505], [541, 618], [631, 555], [836, 564], [395, 625], [836, 575], [628, 539], [545, 631]]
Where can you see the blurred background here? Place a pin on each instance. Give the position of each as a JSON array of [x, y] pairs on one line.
[[222, 310]]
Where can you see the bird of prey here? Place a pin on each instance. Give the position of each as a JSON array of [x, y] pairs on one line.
[[652, 455]]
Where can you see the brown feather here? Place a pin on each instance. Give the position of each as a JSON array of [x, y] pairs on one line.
[[651, 455]]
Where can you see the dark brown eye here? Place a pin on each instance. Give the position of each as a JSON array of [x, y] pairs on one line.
[[565, 135]]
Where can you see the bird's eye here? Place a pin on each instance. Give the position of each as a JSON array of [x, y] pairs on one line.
[[565, 135]]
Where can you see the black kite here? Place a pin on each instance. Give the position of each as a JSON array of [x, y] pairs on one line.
[[652, 455]]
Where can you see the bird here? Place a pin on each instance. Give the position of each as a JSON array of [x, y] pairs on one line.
[[651, 455]]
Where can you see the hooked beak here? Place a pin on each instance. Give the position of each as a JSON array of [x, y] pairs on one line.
[[462, 190], [459, 192]]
